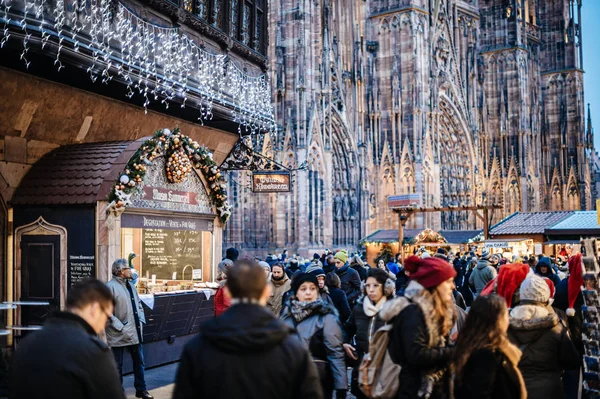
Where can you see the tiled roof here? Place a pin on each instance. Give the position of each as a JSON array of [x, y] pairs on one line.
[[459, 236], [390, 235], [580, 220], [71, 174], [529, 223]]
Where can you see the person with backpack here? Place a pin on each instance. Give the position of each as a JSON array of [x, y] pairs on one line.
[[482, 274], [365, 320], [543, 339], [422, 321], [318, 326], [485, 362]]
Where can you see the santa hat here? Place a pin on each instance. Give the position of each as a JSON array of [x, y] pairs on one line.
[[550, 284], [575, 282], [508, 281]]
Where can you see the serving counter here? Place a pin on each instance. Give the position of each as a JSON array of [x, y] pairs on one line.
[[172, 319]]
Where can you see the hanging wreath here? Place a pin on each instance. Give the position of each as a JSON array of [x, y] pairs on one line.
[[182, 154]]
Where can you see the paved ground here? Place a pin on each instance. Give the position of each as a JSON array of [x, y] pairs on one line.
[[160, 382]]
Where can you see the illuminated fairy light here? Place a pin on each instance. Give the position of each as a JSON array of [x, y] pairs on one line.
[[158, 63]]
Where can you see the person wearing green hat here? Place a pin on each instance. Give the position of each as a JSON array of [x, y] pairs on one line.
[[349, 277]]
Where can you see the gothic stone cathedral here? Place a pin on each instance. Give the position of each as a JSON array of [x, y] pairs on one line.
[[462, 102]]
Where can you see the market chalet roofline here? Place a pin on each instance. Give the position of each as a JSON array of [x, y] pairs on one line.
[[207, 37]]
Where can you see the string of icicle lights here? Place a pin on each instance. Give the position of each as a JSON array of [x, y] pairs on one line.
[[160, 63]]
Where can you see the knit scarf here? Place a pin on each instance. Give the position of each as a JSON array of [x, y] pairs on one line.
[[303, 310], [513, 354], [370, 309]]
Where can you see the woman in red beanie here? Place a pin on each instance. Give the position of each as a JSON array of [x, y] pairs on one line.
[[422, 320]]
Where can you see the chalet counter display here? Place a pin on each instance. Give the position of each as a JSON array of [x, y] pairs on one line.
[[177, 256]]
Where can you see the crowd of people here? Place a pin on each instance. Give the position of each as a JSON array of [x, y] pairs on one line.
[[460, 325], [452, 325]]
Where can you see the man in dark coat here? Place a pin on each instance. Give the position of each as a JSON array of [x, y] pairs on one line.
[[349, 277], [329, 264], [292, 268], [66, 359], [246, 352]]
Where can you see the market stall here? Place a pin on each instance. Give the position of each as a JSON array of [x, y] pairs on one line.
[[83, 206]]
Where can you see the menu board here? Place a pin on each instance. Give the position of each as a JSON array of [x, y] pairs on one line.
[[165, 252]]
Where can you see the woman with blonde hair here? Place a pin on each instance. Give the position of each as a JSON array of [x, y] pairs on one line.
[[485, 362], [422, 321]]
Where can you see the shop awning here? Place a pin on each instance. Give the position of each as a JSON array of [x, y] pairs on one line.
[[75, 174], [389, 236], [458, 237]]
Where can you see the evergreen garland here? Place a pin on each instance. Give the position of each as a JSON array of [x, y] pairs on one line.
[[181, 153]]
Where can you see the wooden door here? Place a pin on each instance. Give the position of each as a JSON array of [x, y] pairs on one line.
[[40, 276]]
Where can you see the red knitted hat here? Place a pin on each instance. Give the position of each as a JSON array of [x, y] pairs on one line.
[[575, 282], [429, 272]]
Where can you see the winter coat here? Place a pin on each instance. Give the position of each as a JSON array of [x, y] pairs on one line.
[[290, 270], [221, 302], [341, 303], [575, 323], [544, 261], [246, 353], [361, 270], [481, 275], [64, 360], [416, 345], [547, 349], [121, 330], [321, 332], [362, 327], [350, 282], [402, 281], [460, 265], [488, 374], [279, 288]]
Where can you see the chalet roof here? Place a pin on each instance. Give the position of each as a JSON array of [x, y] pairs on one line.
[[387, 236], [75, 174], [580, 222], [459, 236], [528, 223]]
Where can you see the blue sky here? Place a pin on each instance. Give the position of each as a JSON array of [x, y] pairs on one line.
[[591, 61]]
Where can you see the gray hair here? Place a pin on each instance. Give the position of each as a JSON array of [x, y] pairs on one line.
[[119, 265]]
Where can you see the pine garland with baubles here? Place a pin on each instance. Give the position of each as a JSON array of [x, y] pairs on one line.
[[182, 155]]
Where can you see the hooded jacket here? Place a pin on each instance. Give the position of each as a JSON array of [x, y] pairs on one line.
[[547, 349], [322, 321], [545, 261], [64, 360], [279, 288], [350, 283], [121, 330], [246, 353], [416, 346], [483, 273]]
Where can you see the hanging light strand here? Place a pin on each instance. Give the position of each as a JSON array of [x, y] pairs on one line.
[[158, 63]]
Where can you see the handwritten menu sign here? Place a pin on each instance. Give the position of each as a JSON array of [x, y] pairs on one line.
[[81, 267], [165, 252]]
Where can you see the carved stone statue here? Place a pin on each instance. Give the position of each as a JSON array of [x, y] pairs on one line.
[[353, 206], [337, 207], [346, 205]]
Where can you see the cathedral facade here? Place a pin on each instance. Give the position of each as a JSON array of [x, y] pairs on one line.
[[459, 102]]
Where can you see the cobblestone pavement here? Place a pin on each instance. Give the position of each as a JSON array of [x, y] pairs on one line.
[[160, 382]]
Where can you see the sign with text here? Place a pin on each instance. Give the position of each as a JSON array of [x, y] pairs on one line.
[[81, 267], [172, 196], [166, 253], [271, 182], [165, 222], [396, 201]]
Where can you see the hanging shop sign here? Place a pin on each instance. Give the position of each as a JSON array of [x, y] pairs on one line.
[[271, 182], [396, 201]]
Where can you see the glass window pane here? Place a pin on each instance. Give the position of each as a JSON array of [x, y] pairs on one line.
[[246, 24], [188, 5], [234, 18], [202, 11], [258, 39], [217, 13]]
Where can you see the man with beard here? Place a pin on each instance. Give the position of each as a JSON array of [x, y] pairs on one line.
[[280, 283]]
